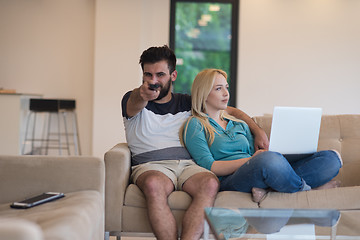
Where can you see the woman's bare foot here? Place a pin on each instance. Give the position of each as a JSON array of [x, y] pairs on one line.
[[258, 194], [331, 184]]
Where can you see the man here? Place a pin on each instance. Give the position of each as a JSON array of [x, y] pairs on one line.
[[153, 116]]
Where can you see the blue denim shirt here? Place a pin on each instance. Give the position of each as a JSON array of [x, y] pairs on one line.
[[234, 142]]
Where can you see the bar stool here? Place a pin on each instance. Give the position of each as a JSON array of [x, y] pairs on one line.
[[50, 107]]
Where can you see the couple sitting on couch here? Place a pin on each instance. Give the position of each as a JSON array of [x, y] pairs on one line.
[[227, 155]]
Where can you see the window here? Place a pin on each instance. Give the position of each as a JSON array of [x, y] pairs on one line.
[[204, 34]]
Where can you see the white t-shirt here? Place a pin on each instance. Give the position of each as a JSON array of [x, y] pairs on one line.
[[153, 134]]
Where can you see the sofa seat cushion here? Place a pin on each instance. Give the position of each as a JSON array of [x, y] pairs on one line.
[[342, 198], [349, 174], [232, 199], [177, 200], [75, 216], [349, 223], [19, 229]]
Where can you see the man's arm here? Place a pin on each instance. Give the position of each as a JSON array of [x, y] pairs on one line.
[[139, 99], [261, 140]]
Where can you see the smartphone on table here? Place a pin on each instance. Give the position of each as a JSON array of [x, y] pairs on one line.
[[37, 200]]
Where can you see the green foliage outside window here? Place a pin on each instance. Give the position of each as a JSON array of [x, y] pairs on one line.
[[202, 40]]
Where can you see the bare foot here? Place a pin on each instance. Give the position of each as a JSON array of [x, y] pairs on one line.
[[331, 184], [258, 194]]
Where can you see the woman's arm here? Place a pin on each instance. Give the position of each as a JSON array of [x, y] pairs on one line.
[[223, 168], [261, 140], [196, 143]]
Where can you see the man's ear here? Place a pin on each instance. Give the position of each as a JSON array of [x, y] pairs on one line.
[[173, 75]]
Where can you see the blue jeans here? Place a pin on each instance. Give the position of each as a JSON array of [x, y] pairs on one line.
[[283, 173]]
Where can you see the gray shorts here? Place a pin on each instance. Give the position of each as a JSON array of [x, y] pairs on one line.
[[177, 170]]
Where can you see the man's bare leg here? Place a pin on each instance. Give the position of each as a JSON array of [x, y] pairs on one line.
[[203, 188], [156, 187]]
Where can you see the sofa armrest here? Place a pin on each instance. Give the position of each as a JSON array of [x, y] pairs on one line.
[[25, 176], [19, 229], [118, 164]]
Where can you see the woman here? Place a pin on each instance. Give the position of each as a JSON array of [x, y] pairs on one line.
[[224, 145]]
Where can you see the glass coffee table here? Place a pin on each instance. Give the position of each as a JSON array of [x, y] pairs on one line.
[[271, 224]]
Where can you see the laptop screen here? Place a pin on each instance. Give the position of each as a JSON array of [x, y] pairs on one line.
[[295, 130]]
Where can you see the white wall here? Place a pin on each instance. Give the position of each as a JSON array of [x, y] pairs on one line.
[[295, 53], [299, 53], [46, 47], [123, 30]]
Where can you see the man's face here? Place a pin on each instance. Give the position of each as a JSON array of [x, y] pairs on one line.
[[158, 73], [164, 91]]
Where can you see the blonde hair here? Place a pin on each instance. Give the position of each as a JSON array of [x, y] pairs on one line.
[[200, 90]]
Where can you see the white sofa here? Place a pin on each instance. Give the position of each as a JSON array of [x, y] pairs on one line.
[[125, 207], [77, 216]]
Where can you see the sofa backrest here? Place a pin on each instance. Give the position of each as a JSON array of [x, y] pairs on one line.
[[338, 132], [26, 176]]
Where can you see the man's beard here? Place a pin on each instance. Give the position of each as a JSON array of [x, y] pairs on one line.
[[164, 90]]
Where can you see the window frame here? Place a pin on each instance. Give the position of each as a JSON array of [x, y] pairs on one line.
[[234, 40]]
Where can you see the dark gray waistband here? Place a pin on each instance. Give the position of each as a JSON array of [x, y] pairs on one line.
[[173, 153]]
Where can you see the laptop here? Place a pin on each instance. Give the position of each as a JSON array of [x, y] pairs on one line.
[[295, 130]]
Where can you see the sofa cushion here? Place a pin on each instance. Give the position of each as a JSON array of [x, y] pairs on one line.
[[19, 229], [342, 198], [232, 199], [65, 218], [134, 197], [349, 174], [21, 176], [349, 223], [177, 200], [341, 132]]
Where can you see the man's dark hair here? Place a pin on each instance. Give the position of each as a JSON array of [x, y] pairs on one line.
[[156, 54]]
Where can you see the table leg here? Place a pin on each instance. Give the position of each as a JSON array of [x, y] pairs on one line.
[[206, 230]]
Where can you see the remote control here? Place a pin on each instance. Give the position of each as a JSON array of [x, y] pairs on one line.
[[154, 86]]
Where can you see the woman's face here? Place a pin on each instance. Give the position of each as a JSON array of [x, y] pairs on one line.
[[219, 95]]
